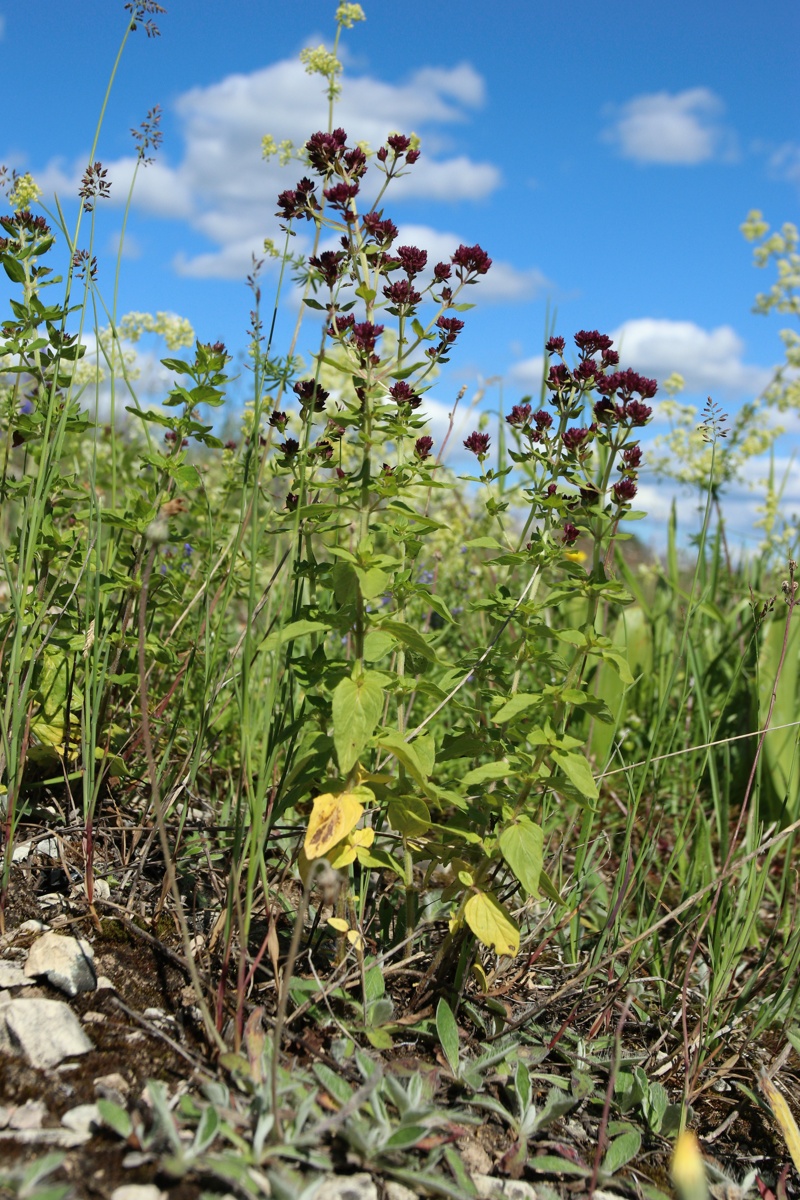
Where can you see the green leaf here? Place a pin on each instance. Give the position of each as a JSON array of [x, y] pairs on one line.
[[373, 582], [207, 1130], [378, 644], [521, 846], [425, 748], [357, 707], [336, 1087], [409, 815], [116, 1118], [517, 704], [295, 629], [405, 752], [578, 772], [489, 771], [622, 1150], [406, 1137], [618, 662], [491, 923], [448, 1034], [410, 637], [484, 543]]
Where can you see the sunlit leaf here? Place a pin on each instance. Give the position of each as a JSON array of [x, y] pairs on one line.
[[491, 923], [332, 818]]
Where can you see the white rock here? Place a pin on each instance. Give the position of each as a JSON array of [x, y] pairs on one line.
[[104, 984], [66, 962], [398, 1191], [46, 1031], [489, 1187], [138, 1191], [82, 1118], [13, 976], [48, 848], [102, 889], [112, 1087], [347, 1187], [29, 1115]]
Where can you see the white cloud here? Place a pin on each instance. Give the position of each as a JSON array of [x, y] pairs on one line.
[[528, 372], [710, 361], [678, 129], [784, 163], [222, 187]]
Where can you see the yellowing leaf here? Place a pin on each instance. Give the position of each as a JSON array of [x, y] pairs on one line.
[[491, 923], [355, 939], [362, 837], [342, 855], [783, 1115], [338, 924], [480, 975], [332, 818]]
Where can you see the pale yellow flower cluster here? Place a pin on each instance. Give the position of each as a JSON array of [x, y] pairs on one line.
[[319, 61], [348, 14], [284, 150], [176, 331], [25, 193]]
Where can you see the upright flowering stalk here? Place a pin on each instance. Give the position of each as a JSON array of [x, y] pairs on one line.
[[572, 452]]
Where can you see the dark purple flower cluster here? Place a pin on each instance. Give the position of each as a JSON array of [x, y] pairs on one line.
[[401, 294], [574, 437], [329, 265], [412, 259], [519, 415], [423, 447], [478, 443], [400, 146], [402, 393], [298, 202], [624, 490], [289, 448], [310, 394], [325, 150], [469, 262], [365, 336], [383, 231], [569, 533], [341, 196]]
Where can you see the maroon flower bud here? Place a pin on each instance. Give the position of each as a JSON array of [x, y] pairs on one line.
[[402, 393], [291, 501], [324, 449], [230, 445], [519, 415], [470, 260], [610, 358], [340, 325], [555, 345], [341, 194], [478, 443], [387, 470], [632, 457], [365, 335], [384, 232], [542, 420], [401, 294], [398, 142], [279, 421], [638, 413], [558, 376], [423, 447], [310, 393], [450, 329], [412, 259], [551, 489], [289, 448], [589, 342], [586, 370], [329, 265], [574, 437], [624, 490], [441, 272], [569, 533], [605, 411], [340, 473], [334, 430], [325, 149], [382, 154]]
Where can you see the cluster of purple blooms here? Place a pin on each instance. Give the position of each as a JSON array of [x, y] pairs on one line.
[[621, 403], [342, 169]]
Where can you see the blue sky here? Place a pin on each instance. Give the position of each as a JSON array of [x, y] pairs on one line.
[[603, 155]]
